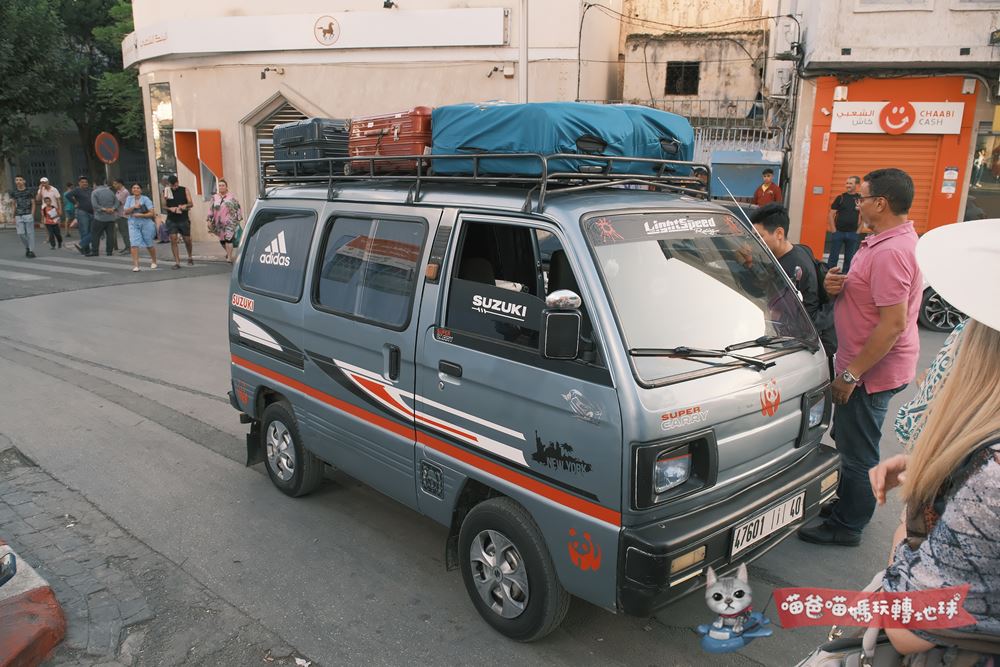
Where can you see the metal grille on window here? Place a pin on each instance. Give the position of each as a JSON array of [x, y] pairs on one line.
[[265, 145]]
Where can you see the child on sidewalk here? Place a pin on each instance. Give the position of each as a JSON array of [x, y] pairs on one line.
[[50, 214]]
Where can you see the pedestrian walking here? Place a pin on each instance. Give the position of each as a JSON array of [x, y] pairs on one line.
[[121, 222], [23, 201], [46, 189], [51, 218], [104, 203], [772, 224], [69, 211], [178, 203], [978, 166], [768, 192], [951, 480], [141, 225], [843, 224], [875, 315], [224, 217], [80, 196]]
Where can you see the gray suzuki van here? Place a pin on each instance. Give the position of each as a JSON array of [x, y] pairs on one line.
[[600, 390]]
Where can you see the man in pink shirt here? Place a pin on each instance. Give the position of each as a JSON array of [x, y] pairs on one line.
[[875, 314]]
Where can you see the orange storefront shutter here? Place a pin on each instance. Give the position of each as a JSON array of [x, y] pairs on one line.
[[916, 154]]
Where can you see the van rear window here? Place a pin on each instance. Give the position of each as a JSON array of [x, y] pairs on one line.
[[277, 250]]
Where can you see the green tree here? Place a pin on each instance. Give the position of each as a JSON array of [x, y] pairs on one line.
[[34, 70], [118, 92], [92, 56]]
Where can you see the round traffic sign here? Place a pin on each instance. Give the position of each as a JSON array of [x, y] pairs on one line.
[[106, 147]]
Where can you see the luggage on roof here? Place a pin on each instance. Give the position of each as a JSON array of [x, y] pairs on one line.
[[557, 127]]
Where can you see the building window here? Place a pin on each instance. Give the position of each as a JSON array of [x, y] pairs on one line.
[[163, 130], [682, 78]]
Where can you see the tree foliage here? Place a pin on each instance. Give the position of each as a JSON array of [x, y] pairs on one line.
[[64, 56], [33, 70]]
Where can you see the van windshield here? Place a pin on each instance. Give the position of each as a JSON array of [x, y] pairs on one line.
[[696, 280]]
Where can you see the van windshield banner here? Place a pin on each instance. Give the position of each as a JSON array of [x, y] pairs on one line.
[[609, 230]]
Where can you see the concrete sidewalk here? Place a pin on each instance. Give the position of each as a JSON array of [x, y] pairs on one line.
[[31, 619]]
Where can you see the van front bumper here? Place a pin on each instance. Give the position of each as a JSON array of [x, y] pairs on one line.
[[645, 581]]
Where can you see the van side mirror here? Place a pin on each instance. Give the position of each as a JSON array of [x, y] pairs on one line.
[[561, 324], [8, 567]]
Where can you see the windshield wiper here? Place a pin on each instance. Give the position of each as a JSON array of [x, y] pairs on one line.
[[774, 341], [695, 353]]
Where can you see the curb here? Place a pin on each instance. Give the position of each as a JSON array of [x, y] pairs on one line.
[[31, 619]]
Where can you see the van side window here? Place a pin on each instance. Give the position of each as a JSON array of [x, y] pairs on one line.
[[369, 269], [501, 278], [274, 261]]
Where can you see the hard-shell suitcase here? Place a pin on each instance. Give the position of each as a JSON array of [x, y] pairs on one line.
[[386, 135], [557, 127], [311, 139]]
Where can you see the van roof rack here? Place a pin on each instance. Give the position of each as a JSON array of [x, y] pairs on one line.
[[599, 173]]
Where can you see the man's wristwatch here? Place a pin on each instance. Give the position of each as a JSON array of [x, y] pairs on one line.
[[849, 377]]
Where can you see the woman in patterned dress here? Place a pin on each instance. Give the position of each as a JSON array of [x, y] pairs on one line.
[[224, 216], [951, 478]]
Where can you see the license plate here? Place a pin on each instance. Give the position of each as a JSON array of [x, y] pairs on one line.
[[763, 525]]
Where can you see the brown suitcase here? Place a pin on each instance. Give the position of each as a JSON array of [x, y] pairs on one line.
[[403, 133]]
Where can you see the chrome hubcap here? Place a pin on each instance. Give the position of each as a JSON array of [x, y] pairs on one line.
[[280, 451], [942, 314], [498, 573]]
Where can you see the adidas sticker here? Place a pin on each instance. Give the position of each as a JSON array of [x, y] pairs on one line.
[[275, 252]]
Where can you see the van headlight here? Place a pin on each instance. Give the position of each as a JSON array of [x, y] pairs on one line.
[[816, 411], [817, 408], [673, 468], [671, 471]]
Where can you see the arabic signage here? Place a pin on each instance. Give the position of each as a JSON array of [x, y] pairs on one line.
[[897, 117], [188, 36]]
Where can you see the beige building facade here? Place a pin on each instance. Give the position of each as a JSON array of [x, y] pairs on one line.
[[217, 76]]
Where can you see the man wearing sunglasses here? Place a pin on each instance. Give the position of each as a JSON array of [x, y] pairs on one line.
[[875, 316]]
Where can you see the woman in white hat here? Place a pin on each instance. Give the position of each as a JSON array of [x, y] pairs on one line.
[[951, 480]]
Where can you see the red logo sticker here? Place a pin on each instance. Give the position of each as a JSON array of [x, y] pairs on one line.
[[897, 117], [584, 554], [240, 301], [934, 608], [770, 398]]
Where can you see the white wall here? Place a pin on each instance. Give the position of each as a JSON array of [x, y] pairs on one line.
[[931, 35]]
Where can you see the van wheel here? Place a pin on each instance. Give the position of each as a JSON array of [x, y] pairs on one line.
[[292, 468], [508, 572]]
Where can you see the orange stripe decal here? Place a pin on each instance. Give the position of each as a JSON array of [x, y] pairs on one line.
[[525, 482]]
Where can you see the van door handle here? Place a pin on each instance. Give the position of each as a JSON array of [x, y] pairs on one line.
[[449, 368], [392, 362]]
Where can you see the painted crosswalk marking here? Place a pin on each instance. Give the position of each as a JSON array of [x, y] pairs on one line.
[[14, 275], [42, 266], [93, 262]]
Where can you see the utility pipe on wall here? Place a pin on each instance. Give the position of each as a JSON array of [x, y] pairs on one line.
[[522, 63]]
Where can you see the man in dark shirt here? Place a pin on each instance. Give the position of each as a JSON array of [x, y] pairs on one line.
[[178, 203], [24, 214], [771, 222], [843, 224], [80, 196]]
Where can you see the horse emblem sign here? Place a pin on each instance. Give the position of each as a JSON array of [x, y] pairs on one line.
[[326, 30]]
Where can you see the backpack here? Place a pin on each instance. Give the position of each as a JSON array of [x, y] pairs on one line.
[[821, 271]]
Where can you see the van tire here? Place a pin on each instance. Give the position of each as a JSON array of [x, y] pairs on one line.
[[547, 601], [306, 474]]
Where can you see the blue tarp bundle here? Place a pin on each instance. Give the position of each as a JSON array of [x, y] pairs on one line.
[[616, 130]]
